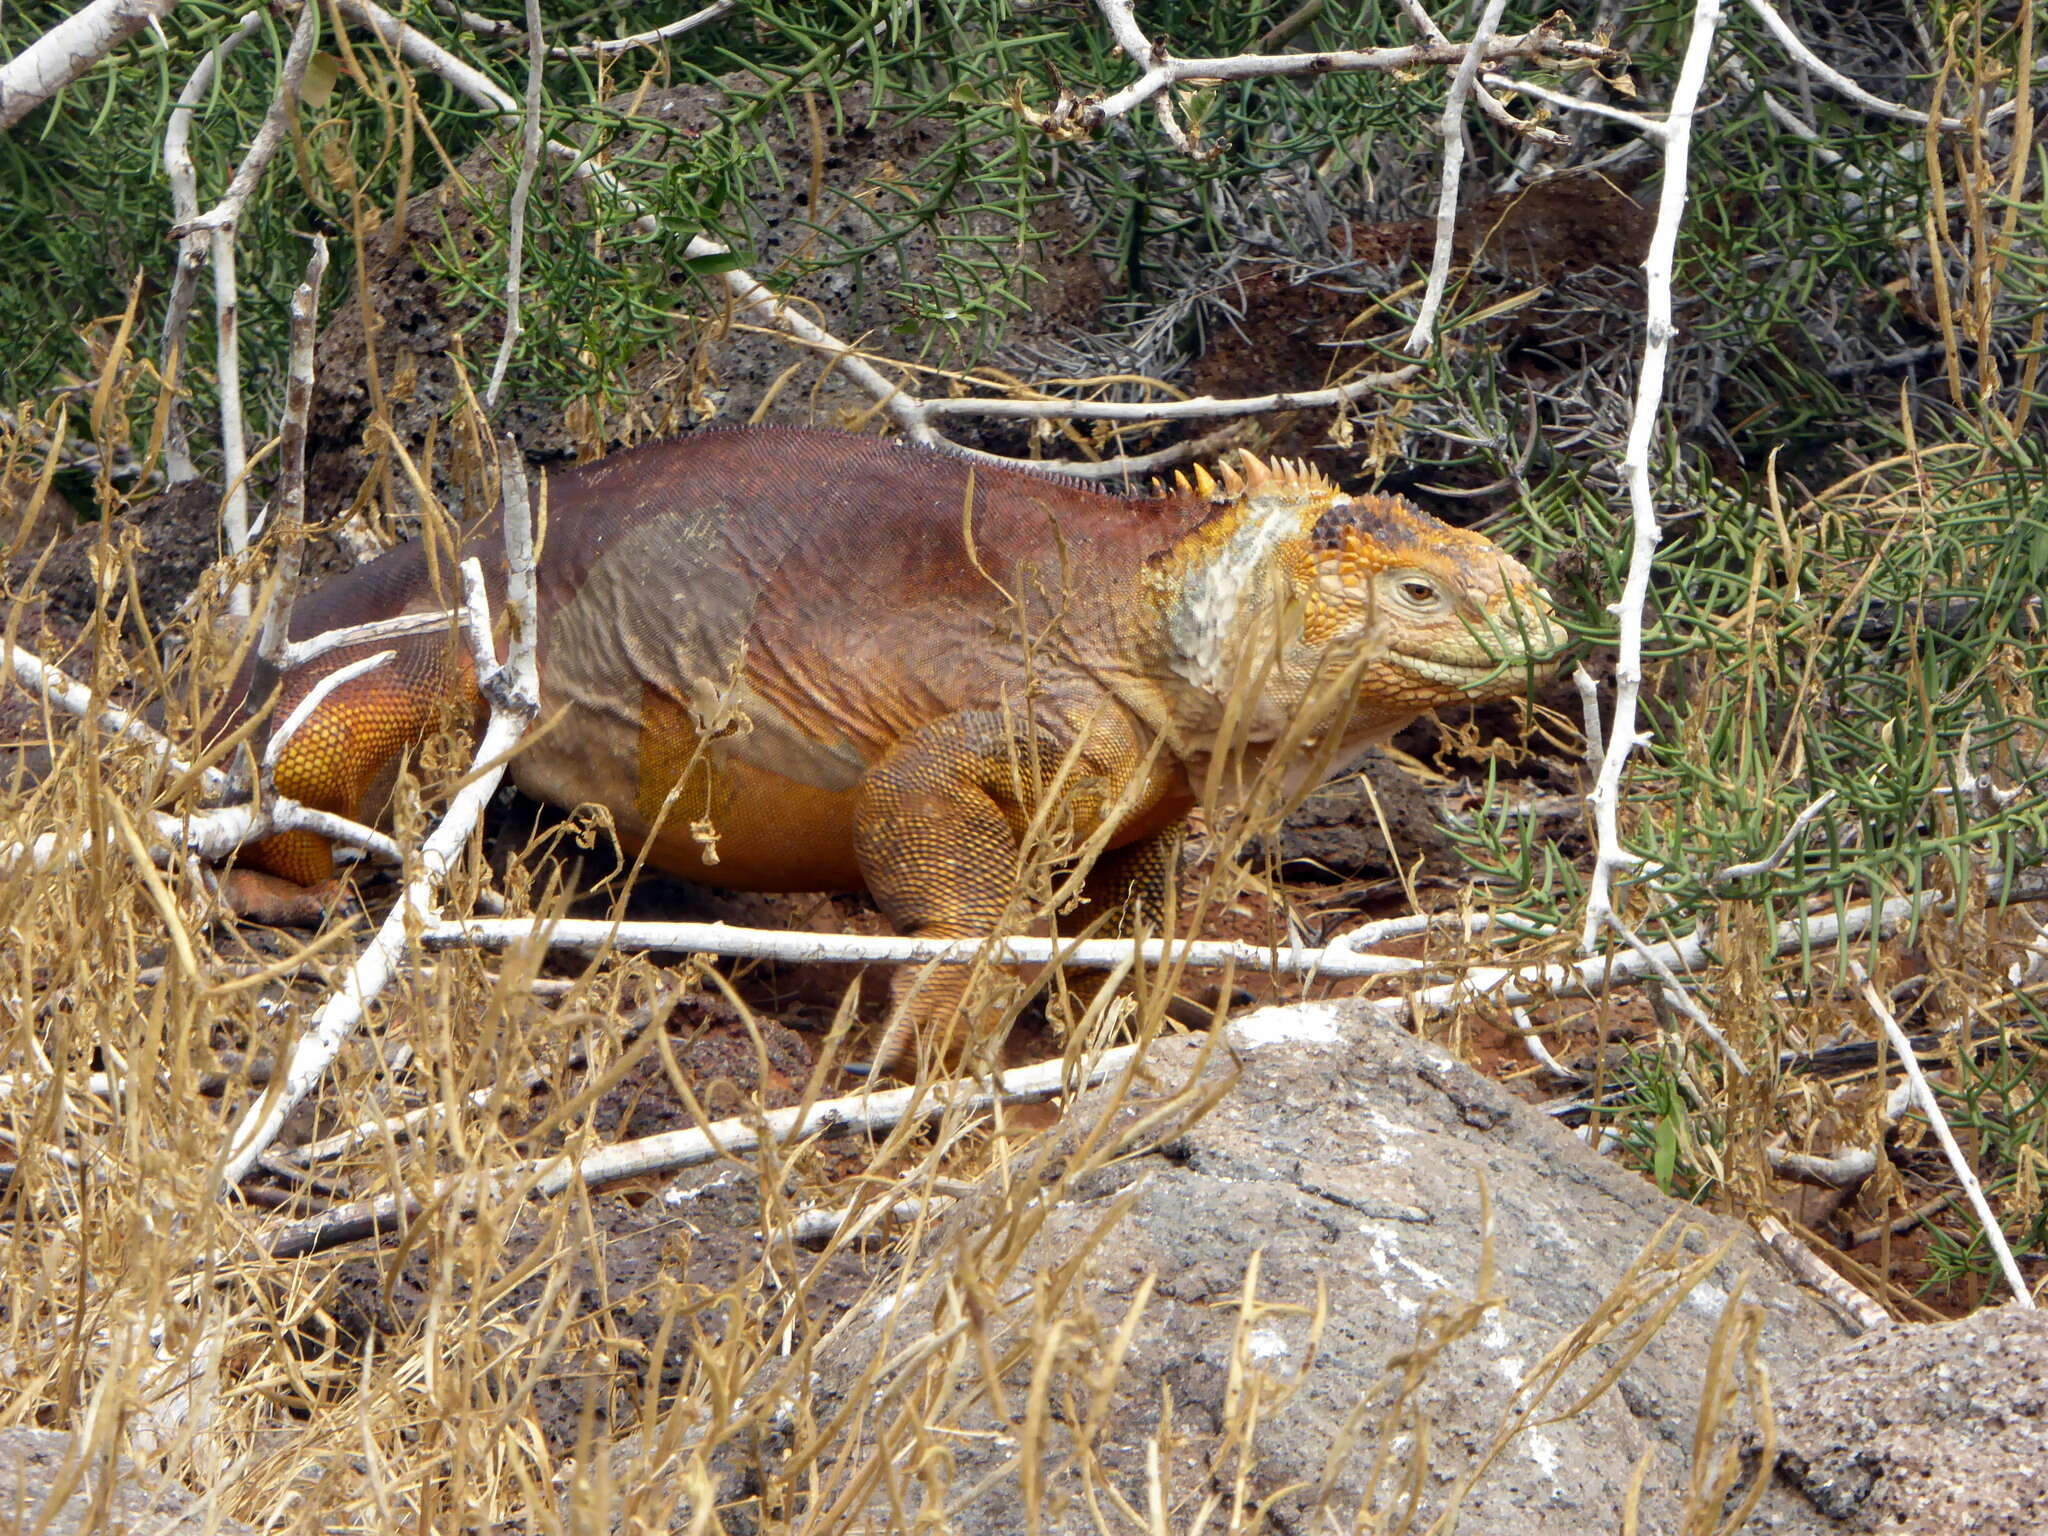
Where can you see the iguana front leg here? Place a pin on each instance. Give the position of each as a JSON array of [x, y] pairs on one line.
[[1132, 887], [938, 832]]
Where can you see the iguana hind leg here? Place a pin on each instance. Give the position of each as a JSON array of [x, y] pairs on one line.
[[346, 756]]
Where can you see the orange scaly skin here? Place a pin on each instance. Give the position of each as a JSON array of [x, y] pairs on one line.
[[848, 664]]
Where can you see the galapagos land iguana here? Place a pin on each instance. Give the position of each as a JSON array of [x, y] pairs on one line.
[[797, 660]]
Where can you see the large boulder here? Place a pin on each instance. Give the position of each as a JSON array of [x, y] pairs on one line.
[[1269, 1309], [1922, 1432]]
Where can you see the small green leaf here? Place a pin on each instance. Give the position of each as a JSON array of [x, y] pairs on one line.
[[1664, 1152], [711, 266], [322, 70]]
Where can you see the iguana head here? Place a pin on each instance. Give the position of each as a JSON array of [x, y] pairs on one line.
[[1290, 582]]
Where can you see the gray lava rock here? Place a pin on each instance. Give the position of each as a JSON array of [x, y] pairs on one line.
[[175, 537], [1922, 1432], [112, 1500], [1346, 1162]]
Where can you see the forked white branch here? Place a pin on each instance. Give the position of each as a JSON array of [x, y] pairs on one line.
[[513, 691], [1161, 72]]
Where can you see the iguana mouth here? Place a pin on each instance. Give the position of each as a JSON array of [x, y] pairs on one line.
[[1461, 675]]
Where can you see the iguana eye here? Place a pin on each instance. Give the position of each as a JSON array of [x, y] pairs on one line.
[[1419, 592]]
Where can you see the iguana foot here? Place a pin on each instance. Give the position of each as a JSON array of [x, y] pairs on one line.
[[256, 896]]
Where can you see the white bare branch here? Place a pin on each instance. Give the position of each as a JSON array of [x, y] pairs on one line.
[[736, 1138], [1624, 736], [1452, 132], [211, 235], [57, 687], [68, 50], [183, 177], [269, 135], [594, 935], [486, 26], [1166, 72], [1930, 1107], [513, 689], [370, 632]]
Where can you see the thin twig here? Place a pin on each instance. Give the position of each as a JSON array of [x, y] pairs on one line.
[[754, 297], [1909, 1059], [1779, 854], [227, 365], [522, 189], [1675, 991], [1845, 1170], [1647, 126], [486, 26], [479, 87], [1452, 132], [1803, 54], [739, 1138], [842, 1224], [614, 46], [1490, 104], [1198, 408], [210, 835]]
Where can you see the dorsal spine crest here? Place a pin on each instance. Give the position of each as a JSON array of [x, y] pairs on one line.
[[1225, 564]]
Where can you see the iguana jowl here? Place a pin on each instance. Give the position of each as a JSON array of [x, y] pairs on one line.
[[792, 660]]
